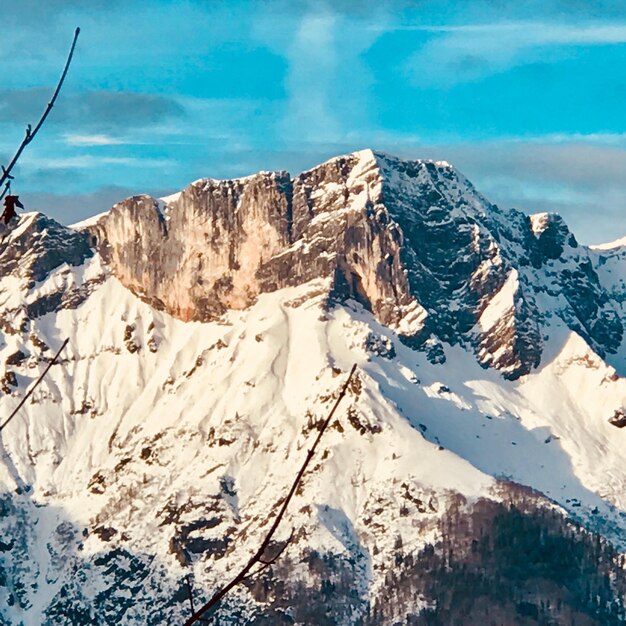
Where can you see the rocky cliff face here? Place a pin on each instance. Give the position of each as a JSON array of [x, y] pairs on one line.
[[412, 241], [28, 255], [219, 244]]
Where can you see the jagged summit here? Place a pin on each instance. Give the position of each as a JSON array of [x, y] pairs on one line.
[[412, 241]]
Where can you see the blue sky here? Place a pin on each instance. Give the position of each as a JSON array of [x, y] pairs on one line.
[[526, 98]]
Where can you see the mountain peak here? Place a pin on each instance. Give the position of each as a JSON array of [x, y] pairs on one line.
[[152, 452], [411, 240]]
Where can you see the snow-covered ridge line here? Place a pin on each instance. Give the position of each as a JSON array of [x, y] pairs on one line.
[[353, 220], [90, 221], [612, 245]]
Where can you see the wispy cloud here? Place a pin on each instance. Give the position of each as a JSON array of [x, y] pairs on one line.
[[605, 139], [312, 60], [88, 161], [328, 82], [532, 33], [93, 140], [460, 53]]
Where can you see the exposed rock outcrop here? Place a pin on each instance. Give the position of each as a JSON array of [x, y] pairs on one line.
[[412, 241]]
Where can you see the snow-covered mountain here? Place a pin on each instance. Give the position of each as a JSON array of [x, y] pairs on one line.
[[209, 333]]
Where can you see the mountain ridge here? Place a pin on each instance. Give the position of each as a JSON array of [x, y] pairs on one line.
[[384, 230], [157, 446]]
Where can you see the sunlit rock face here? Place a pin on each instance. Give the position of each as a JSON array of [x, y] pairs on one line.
[[199, 255], [218, 244], [412, 241]]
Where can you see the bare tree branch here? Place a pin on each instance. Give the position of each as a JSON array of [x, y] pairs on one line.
[[275, 558], [190, 591], [7, 189], [257, 557], [268, 563], [30, 131], [30, 391]]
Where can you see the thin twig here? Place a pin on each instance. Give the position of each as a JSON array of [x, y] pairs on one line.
[[30, 391], [31, 132], [266, 564], [6, 190], [189, 589], [190, 592], [257, 557]]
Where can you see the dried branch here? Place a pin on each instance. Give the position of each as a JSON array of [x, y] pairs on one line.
[[257, 557], [275, 558], [30, 391], [30, 131], [266, 564], [7, 189], [190, 591]]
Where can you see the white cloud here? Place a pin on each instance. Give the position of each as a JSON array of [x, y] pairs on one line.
[[606, 139], [92, 140], [312, 63], [536, 33], [468, 52], [328, 83]]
